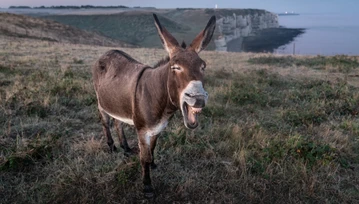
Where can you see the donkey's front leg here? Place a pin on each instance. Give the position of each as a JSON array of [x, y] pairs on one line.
[[153, 141], [146, 160]]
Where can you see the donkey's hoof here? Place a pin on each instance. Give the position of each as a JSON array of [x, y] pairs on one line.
[[113, 149], [153, 165], [148, 192], [129, 152]]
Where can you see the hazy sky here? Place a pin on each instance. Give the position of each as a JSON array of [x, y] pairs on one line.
[[302, 6]]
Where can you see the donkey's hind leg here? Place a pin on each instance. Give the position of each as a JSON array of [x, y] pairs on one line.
[[122, 137], [105, 120]]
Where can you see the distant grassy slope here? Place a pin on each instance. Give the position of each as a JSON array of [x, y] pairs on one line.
[[35, 28], [133, 27], [137, 27]]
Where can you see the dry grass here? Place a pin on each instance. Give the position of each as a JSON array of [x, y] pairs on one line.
[[270, 133]]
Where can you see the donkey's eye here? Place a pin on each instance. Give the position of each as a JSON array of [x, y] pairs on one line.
[[203, 67], [175, 67]]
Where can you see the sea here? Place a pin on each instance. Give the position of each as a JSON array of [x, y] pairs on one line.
[[325, 34]]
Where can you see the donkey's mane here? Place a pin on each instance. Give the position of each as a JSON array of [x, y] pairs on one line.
[[167, 58], [162, 62]]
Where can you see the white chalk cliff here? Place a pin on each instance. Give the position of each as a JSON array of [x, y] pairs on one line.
[[239, 26]]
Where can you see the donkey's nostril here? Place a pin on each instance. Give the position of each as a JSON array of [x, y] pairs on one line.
[[188, 95]]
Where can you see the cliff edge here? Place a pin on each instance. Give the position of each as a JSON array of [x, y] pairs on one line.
[[237, 24]]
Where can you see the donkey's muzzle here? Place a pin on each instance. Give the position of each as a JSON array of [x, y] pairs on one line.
[[200, 102], [197, 100]]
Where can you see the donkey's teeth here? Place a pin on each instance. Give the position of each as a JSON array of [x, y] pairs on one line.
[[196, 110]]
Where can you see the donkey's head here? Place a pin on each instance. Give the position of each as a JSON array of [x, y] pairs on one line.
[[185, 80]]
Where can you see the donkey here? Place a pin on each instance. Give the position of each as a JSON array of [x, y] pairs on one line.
[[146, 97]]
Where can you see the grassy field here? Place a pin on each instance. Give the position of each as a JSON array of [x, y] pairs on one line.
[[277, 129]]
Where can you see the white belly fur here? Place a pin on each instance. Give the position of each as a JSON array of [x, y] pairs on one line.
[[125, 120], [149, 133]]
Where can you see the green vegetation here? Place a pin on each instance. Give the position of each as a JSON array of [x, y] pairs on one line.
[[341, 62], [277, 129], [288, 115]]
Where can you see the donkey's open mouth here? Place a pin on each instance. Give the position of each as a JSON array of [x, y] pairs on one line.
[[190, 115], [193, 99]]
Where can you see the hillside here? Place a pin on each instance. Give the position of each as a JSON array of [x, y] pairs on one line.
[[277, 129], [135, 27], [35, 28]]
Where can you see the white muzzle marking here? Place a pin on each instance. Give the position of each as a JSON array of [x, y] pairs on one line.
[[194, 88], [188, 96]]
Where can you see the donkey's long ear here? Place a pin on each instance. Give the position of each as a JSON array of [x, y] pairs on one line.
[[168, 41], [205, 36]]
